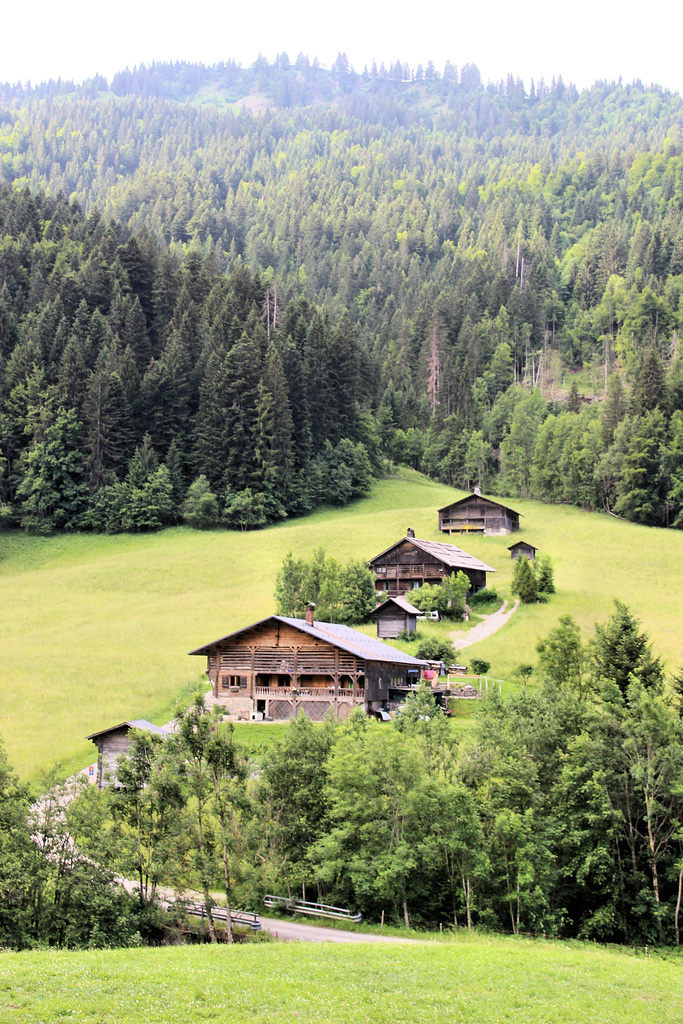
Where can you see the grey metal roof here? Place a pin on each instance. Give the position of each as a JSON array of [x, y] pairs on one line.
[[135, 723], [402, 604], [351, 640], [343, 637], [449, 554]]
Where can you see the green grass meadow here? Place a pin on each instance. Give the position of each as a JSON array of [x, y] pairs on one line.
[[472, 979], [95, 629]]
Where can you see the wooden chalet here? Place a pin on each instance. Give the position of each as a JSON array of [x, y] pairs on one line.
[[522, 550], [477, 514], [280, 666], [114, 741], [393, 616], [410, 562]]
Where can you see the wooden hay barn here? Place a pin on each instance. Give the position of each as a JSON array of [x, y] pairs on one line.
[[410, 562], [395, 615], [477, 514], [275, 668]]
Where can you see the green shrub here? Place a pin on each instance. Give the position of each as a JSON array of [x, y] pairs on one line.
[[524, 672], [485, 596], [433, 648], [409, 638], [200, 508], [479, 666]]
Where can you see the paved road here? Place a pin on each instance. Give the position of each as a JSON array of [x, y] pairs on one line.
[[490, 625], [291, 931], [287, 931]]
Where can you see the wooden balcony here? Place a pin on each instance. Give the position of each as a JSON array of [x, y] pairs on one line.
[[406, 572]]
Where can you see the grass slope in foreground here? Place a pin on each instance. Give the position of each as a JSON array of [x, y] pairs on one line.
[[478, 980], [96, 629]]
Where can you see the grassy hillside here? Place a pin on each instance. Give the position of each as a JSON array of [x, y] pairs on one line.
[[96, 629], [470, 979]]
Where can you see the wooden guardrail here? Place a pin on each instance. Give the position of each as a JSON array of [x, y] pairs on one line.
[[310, 909]]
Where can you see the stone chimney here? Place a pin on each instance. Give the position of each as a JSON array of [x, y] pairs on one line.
[[310, 613], [410, 532], [477, 491]]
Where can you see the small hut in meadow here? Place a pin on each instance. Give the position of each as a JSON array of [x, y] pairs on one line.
[[395, 615], [522, 550], [116, 740]]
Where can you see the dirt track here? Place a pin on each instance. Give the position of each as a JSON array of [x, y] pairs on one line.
[[483, 630]]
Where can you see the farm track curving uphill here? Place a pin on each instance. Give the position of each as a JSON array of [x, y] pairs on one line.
[[483, 630]]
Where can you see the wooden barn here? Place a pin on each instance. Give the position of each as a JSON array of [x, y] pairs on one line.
[[114, 741], [279, 666], [477, 514], [395, 615], [522, 550], [410, 562]]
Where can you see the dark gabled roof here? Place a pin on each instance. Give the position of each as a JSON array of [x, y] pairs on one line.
[[404, 605], [343, 637], [469, 497], [136, 723], [449, 554], [521, 544]]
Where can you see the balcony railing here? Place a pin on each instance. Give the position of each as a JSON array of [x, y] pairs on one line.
[[289, 692], [392, 572]]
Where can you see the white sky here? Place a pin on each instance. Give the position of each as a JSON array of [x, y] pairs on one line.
[[583, 41]]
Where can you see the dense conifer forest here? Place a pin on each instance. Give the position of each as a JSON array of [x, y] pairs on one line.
[[230, 295]]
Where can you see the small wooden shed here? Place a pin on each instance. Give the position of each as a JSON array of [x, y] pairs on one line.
[[116, 740], [393, 616], [522, 550]]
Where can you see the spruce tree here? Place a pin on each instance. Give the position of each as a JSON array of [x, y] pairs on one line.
[[275, 428], [241, 393], [524, 583], [650, 388]]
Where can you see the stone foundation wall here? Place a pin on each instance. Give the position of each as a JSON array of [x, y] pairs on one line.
[[237, 709]]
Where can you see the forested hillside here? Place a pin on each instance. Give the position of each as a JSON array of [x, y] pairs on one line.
[[214, 272]]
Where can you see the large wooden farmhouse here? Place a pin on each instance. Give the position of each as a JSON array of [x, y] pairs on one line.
[[477, 514], [410, 562], [279, 666]]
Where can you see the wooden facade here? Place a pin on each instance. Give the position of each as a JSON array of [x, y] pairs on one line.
[[477, 514], [395, 615], [277, 667], [114, 741], [411, 562], [522, 550]]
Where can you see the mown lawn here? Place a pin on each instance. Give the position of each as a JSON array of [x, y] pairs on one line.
[[95, 630], [471, 979]]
